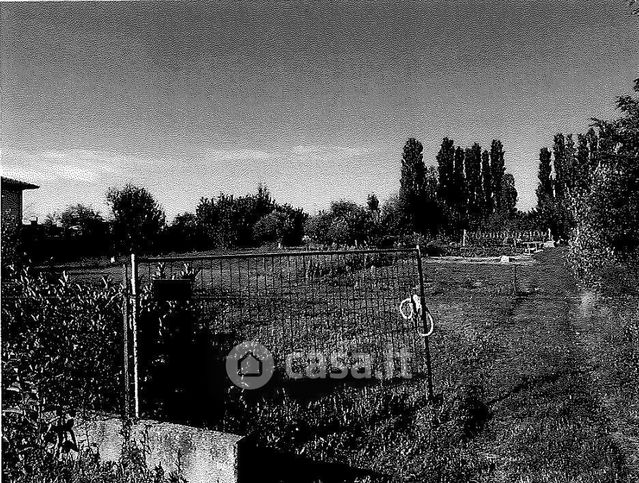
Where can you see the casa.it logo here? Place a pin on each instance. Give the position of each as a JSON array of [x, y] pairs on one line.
[[249, 365]]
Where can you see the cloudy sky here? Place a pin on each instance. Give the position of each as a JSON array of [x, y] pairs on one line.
[[313, 98]]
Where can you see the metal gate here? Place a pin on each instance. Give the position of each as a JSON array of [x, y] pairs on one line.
[[365, 308]]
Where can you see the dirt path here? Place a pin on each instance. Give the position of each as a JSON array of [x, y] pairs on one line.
[[548, 422]]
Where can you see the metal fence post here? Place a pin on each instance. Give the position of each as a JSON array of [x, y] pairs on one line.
[[429, 371], [134, 329], [125, 341]]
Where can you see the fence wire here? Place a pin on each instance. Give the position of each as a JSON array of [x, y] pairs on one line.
[[327, 302]]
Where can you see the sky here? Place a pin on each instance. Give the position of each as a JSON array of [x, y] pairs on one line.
[[315, 99]]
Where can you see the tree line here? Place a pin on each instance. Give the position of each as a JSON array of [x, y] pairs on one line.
[[137, 223], [588, 192], [469, 188]]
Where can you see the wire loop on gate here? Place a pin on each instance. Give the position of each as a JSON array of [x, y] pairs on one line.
[[415, 305]]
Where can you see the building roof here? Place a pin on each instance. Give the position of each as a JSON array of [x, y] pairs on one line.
[[16, 184]]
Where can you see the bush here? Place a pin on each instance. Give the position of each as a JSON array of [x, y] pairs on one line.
[[284, 224], [60, 353], [607, 233], [346, 223], [53, 334]]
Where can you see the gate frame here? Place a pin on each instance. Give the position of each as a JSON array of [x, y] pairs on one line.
[[131, 308]]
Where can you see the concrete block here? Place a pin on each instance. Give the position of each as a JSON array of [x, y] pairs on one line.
[[199, 455]]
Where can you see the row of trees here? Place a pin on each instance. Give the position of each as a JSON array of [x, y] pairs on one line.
[[469, 188], [138, 223], [589, 190], [565, 174]]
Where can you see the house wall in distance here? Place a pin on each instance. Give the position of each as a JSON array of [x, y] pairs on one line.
[[12, 203]]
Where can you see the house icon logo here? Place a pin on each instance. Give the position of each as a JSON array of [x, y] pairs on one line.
[[249, 365]]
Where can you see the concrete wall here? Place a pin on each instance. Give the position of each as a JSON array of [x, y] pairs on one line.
[[198, 455]]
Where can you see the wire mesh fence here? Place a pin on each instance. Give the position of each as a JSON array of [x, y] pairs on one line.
[[300, 301], [333, 309]]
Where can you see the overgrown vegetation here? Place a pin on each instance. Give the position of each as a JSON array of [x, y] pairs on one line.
[[61, 356], [589, 192]]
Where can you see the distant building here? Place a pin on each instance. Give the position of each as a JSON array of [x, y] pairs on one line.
[[12, 197]]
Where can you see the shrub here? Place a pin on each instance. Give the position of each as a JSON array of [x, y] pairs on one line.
[[60, 353], [53, 334], [607, 233], [284, 224]]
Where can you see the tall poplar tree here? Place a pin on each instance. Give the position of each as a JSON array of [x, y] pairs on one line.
[[582, 165], [446, 172], [459, 184], [570, 164], [559, 161], [545, 187], [497, 169], [509, 194], [472, 165], [593, 150], [469, 175], [412, 189], [487, 181], [546, 209]]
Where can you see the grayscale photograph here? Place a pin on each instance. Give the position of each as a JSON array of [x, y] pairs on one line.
[[320, 241]]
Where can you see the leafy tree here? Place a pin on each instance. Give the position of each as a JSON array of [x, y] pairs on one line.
[[593, 148], [497, 169], [373, 203], [83, 232], [344, 224], [446, 171], [571, 162], [546, 206], [487, 182], [563, 162], [284, 225], [607, 214], [350, 222], [228, 221], [460, 206], [509, 195], [82, 219], [582, 170], [560, 165], [432, 205], [317, 228], [137, 218], [474, 190], [391, 219], [183, 233], [545, 193], [292, 230], [412, 193]]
